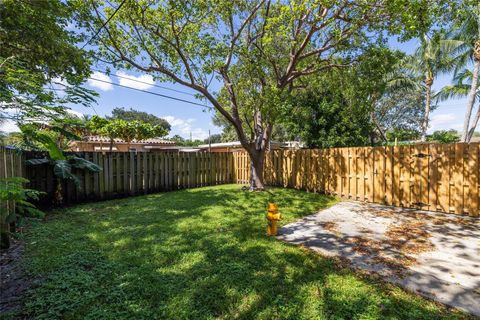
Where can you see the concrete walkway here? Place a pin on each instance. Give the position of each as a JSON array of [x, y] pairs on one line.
[[436, 255]]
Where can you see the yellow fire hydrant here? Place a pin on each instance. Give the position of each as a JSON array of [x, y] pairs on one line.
[[272, 216]]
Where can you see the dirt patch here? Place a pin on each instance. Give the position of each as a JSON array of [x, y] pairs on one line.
[[13, 280]]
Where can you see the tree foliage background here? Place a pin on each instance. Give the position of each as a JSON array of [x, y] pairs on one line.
[[42, 67]]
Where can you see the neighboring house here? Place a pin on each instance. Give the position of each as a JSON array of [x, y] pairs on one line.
[[98, 143], [293, 145], [222, 147]]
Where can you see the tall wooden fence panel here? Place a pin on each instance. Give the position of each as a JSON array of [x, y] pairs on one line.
[[436, 177], [12, 163], [124, 174]]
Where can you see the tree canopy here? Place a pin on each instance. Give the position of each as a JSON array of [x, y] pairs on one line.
[[258, 50], [132, 115], [42, 67], [125, 130]]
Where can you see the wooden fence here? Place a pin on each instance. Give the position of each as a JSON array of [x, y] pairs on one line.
[[11, 163], [437, 177], [124, 174]]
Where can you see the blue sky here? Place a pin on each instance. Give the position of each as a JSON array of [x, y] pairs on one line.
[[187, 119]]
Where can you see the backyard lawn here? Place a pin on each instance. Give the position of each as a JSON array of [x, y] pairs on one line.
[[197, 254]]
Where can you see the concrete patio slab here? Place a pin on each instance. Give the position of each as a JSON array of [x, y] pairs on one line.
[[436, 255]]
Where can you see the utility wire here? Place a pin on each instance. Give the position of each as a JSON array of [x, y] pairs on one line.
[[154, 93], [144, 82], [136, 89], [121, 27], [104, 24]]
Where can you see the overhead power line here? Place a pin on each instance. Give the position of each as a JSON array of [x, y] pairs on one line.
[[136, 89], [151, 92], [144, 82], [104, 24]]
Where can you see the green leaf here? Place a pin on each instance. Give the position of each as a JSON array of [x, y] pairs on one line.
[[35, 162], [53, 150], [45, 140], [62, 169], [82, 163], [67, 134]]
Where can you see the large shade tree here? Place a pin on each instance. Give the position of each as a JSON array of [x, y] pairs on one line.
[[255, 50], [42, 67]]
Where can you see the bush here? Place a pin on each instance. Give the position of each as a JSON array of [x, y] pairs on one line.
[[444, 136]]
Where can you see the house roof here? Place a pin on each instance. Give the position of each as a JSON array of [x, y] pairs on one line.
[[94, 139], [222, 145], [233, 144]]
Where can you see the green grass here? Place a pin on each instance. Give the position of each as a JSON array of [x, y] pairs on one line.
[[197, 254]]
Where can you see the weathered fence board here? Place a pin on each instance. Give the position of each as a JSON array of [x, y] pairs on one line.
[[12, 163], [428, 176], [124, 174]]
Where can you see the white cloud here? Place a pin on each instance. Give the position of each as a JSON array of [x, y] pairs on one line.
[[75, 113], [132, 81], [104, 86], [185, 127], [9, 126], [445, 121]]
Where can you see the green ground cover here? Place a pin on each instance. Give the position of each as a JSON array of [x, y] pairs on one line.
[[197, 254]]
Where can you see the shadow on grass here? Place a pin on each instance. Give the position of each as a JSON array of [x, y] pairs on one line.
[[196, 254]]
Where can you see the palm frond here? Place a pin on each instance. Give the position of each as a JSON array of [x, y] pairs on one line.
[[452, 92]]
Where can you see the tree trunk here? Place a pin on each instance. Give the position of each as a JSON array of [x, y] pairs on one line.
[[379, 128], [470, 101], [58, 196], [111, 145], [474, 125], [428, 100], [257, 160]]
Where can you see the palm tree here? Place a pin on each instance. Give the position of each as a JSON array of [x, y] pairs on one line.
[[400, 80], [433, 57], [467, 35], [461, 87]]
